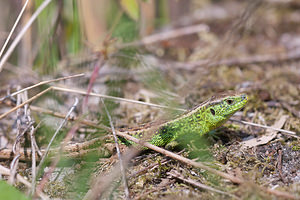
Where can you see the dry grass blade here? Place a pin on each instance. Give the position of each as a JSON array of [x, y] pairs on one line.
[[77, 91], [22, 32], [39, 84], [56, 132], [56, 159], [123, 172], [290, 133], [13, 28]]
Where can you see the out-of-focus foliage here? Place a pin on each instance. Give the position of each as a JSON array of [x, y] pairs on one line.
[[131, 7], [8, 192], [58, 34]]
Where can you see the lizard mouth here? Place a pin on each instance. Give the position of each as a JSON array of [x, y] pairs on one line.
[[241, 102], [244, 97]]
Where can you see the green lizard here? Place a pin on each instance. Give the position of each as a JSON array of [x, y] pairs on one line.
[[202, 119]]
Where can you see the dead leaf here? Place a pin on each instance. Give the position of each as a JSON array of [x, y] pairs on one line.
[[270, 134]]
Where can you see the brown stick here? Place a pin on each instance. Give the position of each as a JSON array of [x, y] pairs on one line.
[[279, 165], [180, 158]]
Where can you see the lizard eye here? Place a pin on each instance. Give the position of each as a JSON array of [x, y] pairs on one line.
[[229, 101], [212, 111]]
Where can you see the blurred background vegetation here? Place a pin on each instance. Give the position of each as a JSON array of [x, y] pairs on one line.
[[112, 40]]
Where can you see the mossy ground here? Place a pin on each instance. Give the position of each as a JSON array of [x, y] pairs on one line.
[[273, 90]]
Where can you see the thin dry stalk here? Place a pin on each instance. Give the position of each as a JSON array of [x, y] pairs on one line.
[[160, 187], [22, 32], [13, 28], [102, 183], [56, 132], [56, 159], [61, 115], [16, 146], [33, 162], [77, 91], [289, 133], [39, 84], [93, 78], [151, 167], [123, 172], [34, 141], [33, 156], [179, 176], [24, 103]]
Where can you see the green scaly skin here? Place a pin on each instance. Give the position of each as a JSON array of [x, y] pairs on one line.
[[202, 119]]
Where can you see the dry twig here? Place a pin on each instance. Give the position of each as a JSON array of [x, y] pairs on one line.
[[22, 32], [179, 176], [180, 158], [39, 84], [279, 166]]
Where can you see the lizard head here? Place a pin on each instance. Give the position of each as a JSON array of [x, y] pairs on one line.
[[220, 108]]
